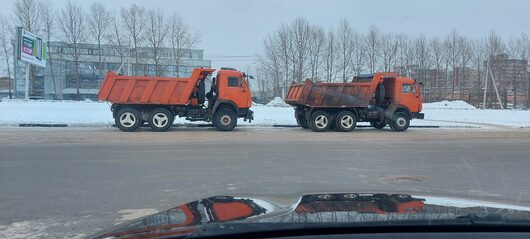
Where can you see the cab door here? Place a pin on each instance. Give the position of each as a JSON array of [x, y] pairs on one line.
[[235, 90], [410, 96]]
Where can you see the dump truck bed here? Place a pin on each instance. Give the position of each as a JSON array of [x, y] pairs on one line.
[[334, 95], [150, 90]]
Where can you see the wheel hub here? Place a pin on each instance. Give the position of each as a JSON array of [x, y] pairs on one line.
[[321, 121], [160, 120], [346, 121], [401, 122], [127, 119], [226, 120]]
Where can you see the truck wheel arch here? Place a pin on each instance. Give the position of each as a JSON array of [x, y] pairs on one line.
[[404, 109], [225, 104]]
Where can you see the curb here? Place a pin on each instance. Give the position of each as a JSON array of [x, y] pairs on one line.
[[43, 125]]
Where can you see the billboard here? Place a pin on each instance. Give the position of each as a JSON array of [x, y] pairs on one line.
[[30, 48]]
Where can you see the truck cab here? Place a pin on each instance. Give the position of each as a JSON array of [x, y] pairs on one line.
[[403, 93], [230, 91]]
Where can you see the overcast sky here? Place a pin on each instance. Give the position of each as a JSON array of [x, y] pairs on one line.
[[237, 27]]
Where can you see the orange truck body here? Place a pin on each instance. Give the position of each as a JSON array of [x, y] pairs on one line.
[[150, 90], [373, 99], [158, 100]]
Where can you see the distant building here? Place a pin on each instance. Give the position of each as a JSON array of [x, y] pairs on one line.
[[512, 78], [63, 84]]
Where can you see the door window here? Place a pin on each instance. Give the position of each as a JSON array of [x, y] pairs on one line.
[[235, 81], [408, 88]]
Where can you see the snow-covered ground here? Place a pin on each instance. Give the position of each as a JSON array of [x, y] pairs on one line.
[[89, 113]]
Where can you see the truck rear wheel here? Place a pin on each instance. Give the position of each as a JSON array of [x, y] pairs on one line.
[[400, 122], [345, 121], [225, 119], [377, 125], [160, 119], [128, 119], [300, 119], [320, 121]]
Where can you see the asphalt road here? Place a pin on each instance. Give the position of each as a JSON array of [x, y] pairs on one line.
[[70, 182]]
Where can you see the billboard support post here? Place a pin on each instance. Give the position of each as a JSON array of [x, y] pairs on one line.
[[26, 91]]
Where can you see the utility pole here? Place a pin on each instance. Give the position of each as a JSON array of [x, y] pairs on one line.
[[496, 90], [485, 86]]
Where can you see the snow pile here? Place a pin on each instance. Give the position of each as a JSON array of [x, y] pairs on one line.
[[93, 113], [256, 104], [16, 112], [277, 102], [454, 105]]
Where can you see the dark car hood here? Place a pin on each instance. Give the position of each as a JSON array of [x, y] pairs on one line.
[[214, 213]]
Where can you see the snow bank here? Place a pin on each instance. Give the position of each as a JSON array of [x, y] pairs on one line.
[[455, 105], [89, 113], [277, 102]]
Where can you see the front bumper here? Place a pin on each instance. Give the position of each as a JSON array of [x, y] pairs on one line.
[[249, 116], [418, 115]]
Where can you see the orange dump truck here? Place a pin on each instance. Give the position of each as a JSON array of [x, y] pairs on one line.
[[381, 99], [158, 100]]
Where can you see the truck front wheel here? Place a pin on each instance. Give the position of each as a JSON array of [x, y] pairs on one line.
[[128, 119], [400, 121], [160, 119], [320, 121], [225, 119], [345, 121]]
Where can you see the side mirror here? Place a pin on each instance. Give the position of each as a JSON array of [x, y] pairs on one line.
[[251, 77]]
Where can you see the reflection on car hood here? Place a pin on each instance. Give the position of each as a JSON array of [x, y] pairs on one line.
[[188, 219]]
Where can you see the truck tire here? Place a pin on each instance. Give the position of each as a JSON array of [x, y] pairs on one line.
[[128, 119], [400, 122], [377, 125], [320, 121], [345, 121], [300, 119], [160, 119], [225, 119]]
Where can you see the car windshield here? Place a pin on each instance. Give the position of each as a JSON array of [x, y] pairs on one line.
[[128, 118]]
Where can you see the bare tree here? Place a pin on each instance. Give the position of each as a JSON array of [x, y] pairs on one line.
[[5, 42], [48, 20], [359, 53], [270, 63], [99, 21], [465, 50], [316, 45], [345, 35], [157, 30], [494, 45], [403, 44], [181, 40], [452, 54], [389, 50], [437, 51], [300, 33], [283, 44], [133, 20], [73, 27], [26, 15], [115, 36], [422, 54], [477, 61], [373, 44], [330, 56]]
